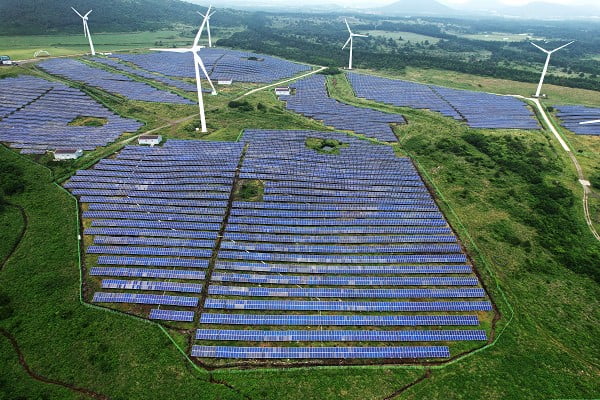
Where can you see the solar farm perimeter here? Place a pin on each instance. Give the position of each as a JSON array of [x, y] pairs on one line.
[[340, 256], [344, 256]]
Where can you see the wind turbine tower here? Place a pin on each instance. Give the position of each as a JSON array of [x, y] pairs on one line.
[[351, 41], [549, 54], [198, 64], [207, 16], [86, 29]]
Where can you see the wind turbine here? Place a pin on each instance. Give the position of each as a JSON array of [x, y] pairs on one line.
[[207, 16], [549, 53], [197, 65], [351, 41], [596, 121], [86, 29]]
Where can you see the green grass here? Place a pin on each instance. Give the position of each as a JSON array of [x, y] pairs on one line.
[[492, 186], [326, 146], [405, 36], [11, 224], [24, 47], [249, 190], [498, 37]]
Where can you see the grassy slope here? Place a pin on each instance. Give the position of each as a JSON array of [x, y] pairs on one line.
[[541, 354], [11, 224], [63, 340]]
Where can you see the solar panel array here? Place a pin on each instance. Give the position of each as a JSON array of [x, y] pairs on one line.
[[78, 71], [36, 114], [221, 64], [312, 100], [477, 109], [156, 213], [385, 265], [572, 116], [366, 274]]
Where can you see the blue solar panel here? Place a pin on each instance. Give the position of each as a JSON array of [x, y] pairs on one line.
[[172, 315], [478, 110], [339, 335], [357, 306], [345, 293], [140, 298], [320, 352]]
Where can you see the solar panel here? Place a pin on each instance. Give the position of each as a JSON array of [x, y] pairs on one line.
[[320, 352]]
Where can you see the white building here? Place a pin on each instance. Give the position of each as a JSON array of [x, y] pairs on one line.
[[67, 154], [151, 140], [226, 82], [283, 91]]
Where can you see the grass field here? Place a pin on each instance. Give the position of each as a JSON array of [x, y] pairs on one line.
[[511, 195], [405, 36], [498, 36], [23, 47]]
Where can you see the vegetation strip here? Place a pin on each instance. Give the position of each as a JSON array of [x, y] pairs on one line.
[[581, 177], [404, 388], [19, 236]]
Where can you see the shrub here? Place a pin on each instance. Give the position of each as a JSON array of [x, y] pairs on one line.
[[241, 105], [330, 71]]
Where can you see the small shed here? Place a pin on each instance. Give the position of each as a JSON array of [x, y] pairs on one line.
[[150, 140], [283, 91], [67, 154], [225, 82]]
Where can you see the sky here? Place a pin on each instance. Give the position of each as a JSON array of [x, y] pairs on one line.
[[371, 3]]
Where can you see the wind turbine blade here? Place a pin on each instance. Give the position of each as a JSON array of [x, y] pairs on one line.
[[357, 35], [85, 29], [347, 41], [347, 26], [76, 12], [596, 121], [212, 13], [542, 49], [201, 64], [88, 13], [197, 38], [562, 47], [201, 14], [173, 50]]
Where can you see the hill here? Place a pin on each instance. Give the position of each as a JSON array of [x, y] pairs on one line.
[[31, 17], [416, 7]]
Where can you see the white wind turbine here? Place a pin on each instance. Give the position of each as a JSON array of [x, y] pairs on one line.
[[549, 53], [197, 65], [86, 29], [207, 16], [351, 41]]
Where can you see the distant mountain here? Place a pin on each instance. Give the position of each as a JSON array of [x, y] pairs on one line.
[[415, 7], [26, 17]]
